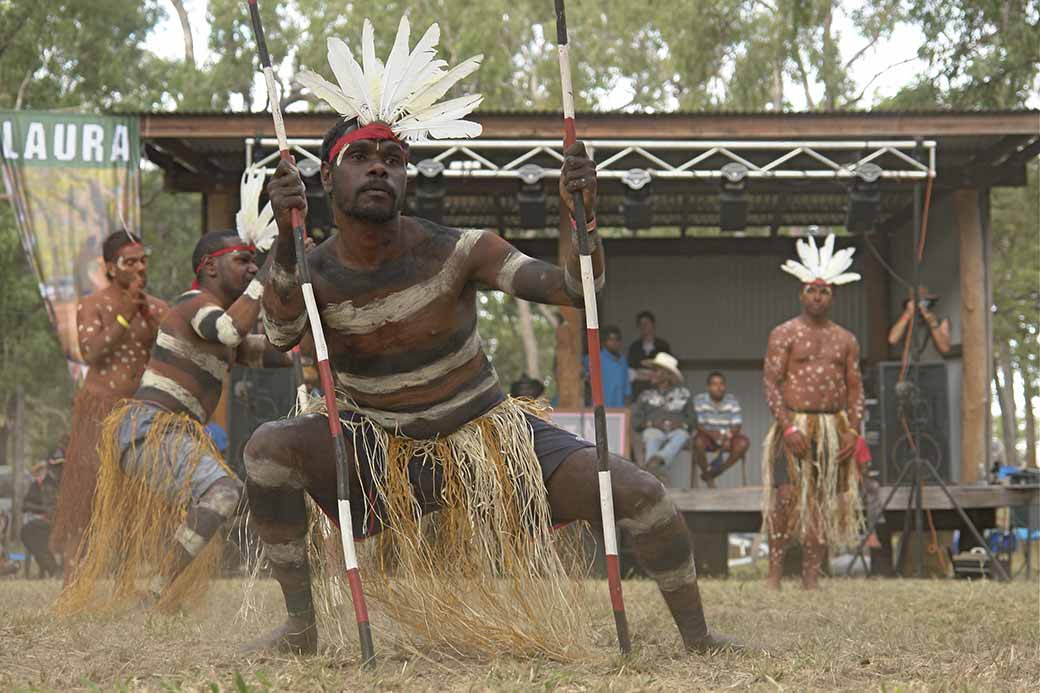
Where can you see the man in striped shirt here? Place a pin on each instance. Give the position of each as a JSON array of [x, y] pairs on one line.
[[398, 298], [718, 430]]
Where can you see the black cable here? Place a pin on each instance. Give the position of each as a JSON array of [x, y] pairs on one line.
[[888, 268]]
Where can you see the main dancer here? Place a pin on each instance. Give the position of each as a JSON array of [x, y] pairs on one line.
[[428, 427]]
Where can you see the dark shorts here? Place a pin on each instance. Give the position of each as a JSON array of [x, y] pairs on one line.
[[552, 445]]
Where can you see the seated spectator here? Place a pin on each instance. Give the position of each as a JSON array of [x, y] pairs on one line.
[[38, 506], [646, 347], [664, 415], [718, 430], [526, 386], [617, 387]]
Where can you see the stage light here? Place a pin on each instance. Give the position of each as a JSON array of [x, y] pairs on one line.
[[733, 201], [864, 199], [430, 190], [531, 198], [308, 166], [636, 202]]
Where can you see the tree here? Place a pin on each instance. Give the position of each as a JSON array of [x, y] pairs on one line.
[[1015, 223], [74, 54], [980, 53]]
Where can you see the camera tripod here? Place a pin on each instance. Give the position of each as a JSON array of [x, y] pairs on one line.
[[920, 470], [919, 467]]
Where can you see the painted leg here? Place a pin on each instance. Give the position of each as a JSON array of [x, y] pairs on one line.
[[204, 519], [658, 534], [813, 551], [275, 488], [779, 522]]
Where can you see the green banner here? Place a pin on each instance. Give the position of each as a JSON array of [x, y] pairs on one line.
[[73, 179]]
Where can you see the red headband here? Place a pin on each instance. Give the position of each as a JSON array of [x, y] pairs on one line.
[[218, 253], [372, 131]]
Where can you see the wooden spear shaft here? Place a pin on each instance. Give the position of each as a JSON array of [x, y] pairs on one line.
[[324, 368], [606, 492]]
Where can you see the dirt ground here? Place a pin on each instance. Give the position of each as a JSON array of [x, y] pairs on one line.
[[852, 634]]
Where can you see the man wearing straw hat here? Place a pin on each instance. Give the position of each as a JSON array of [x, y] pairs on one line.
[[664, 415]]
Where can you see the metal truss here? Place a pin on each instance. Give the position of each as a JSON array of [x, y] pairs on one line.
[[626, 160]]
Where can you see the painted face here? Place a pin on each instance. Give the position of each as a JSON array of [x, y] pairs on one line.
[[130, 266], [235, 270], [817, 298], [717, 388], [368, 180]]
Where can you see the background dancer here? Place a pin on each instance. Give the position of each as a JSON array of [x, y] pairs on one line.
[[116, 328], [815, 391]]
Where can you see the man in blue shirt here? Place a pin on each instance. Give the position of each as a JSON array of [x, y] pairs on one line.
[[617, 387]]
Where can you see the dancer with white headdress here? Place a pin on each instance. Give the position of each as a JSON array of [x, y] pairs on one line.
[[163, 489], [815, 392], [462, 483]]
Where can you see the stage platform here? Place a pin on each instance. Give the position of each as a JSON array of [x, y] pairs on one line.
[[711, 514]]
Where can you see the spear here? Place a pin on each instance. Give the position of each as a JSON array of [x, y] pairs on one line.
[[606, 493], [321, 351]]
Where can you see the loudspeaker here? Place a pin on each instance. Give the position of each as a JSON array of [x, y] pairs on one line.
[[257, 395], [918, 406]]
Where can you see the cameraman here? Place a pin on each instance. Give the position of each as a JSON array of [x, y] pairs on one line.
[[938, 330]]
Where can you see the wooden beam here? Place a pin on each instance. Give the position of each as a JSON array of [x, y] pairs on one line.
[[974, 310], [688, 246], [650, 126]]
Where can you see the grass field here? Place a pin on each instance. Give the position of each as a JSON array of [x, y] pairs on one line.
[[852, 634]]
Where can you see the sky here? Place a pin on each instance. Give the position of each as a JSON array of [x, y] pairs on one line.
[[902, 46]]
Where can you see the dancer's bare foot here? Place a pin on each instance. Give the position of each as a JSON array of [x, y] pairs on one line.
[[295, 636]]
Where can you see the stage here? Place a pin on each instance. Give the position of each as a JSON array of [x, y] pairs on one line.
[[711, 514]]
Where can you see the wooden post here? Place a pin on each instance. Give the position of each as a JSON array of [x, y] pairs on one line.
[[974, 309], [218, 210], [18, 463]]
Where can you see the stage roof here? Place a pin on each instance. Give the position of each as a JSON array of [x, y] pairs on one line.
[[802, 164]]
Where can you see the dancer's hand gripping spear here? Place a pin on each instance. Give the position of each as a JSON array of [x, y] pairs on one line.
[[321, 350], [606, 493]]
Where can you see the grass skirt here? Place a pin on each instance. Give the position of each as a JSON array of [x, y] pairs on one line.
[[828, 503], [79, 478], [131, 532], [485, 575]]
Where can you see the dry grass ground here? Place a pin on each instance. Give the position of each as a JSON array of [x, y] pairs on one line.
[[852, 634]]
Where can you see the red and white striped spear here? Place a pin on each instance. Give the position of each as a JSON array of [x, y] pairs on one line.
[[606, 492], [322, 352]]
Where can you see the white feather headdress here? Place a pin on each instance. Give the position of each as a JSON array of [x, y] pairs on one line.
[[256, 227], [403, 92], [821, 264]]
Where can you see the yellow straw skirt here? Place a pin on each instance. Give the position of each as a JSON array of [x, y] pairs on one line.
[[828, 498], [130, 540], [485, 575]]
